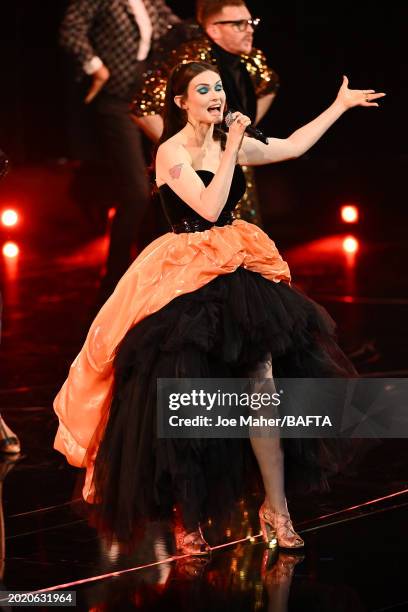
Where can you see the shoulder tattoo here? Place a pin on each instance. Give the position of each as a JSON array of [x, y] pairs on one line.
[[175, 171]]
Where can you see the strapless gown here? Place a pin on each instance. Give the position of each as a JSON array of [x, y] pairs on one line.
[[205, 300]]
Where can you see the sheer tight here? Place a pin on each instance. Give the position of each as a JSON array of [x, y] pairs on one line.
[[267, 447]]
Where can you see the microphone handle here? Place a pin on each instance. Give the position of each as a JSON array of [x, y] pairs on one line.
[[253, 132]]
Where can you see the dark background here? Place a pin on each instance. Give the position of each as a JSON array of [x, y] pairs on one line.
[[309, 44]]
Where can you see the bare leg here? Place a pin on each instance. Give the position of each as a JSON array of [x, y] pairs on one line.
[[269, 454], [268, 451]]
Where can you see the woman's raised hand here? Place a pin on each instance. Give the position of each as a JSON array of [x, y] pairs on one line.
[[357, 97], [236, 130]]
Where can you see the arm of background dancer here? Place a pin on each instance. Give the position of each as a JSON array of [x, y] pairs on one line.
[[152, 125], [73, 35], [262, 106], [99, 78], [166, 13], [173, 167], [253, 152]]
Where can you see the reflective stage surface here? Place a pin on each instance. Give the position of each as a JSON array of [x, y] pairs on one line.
[[356, 535]]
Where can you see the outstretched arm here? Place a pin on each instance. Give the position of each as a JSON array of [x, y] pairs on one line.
[[253, 152]]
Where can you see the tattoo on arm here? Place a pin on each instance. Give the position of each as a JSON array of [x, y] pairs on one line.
[[175, 171]]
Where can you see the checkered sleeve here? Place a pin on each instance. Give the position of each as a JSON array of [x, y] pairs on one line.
[[166, 14], [75, 27]]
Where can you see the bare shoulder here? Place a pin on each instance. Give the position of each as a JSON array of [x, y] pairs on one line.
[[171, 156], [174, 146]]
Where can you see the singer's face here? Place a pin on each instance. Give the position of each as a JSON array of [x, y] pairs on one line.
[[205, 101], [227, 35]]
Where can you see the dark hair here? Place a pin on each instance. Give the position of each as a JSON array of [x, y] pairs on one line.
[[174, 117], [205, 9]]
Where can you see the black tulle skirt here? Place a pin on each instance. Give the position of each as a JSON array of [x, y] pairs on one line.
[[224, 329]]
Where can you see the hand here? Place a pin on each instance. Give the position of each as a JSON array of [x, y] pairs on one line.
[[357, 97], [152, 125], [99, 77], [237, 129]]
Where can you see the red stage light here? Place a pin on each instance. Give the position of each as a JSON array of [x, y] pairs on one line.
[[349, 213], [10, 249], [9, 217], [350, 244], [111, 213]]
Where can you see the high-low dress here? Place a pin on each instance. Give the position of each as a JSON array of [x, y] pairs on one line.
[[205, 300]]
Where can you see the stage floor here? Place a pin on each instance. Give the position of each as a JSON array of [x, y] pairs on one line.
[[355, 535]]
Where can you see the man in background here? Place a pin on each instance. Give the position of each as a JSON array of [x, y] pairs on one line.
[[111, 41], [223, 35]]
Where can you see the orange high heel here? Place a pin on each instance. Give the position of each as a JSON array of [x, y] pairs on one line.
[[277, 529], [9, 443]]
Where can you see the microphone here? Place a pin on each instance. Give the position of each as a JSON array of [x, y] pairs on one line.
[[251, 131]]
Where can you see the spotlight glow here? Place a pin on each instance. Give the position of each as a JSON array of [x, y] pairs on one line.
[[349, 213], [350, 244], [9, 217], [111, 213], [10, 249]]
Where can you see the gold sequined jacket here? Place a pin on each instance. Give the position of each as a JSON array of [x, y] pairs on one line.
[[150, 99]]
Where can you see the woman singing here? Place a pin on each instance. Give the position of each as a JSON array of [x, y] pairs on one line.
[[211, 298]]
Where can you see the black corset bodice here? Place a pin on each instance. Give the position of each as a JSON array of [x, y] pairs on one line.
[[183, 218]]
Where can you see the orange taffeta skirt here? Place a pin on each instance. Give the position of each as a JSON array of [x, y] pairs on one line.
[[172, 265]]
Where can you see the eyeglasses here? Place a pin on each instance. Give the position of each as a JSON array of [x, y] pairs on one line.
[[240, 24]]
